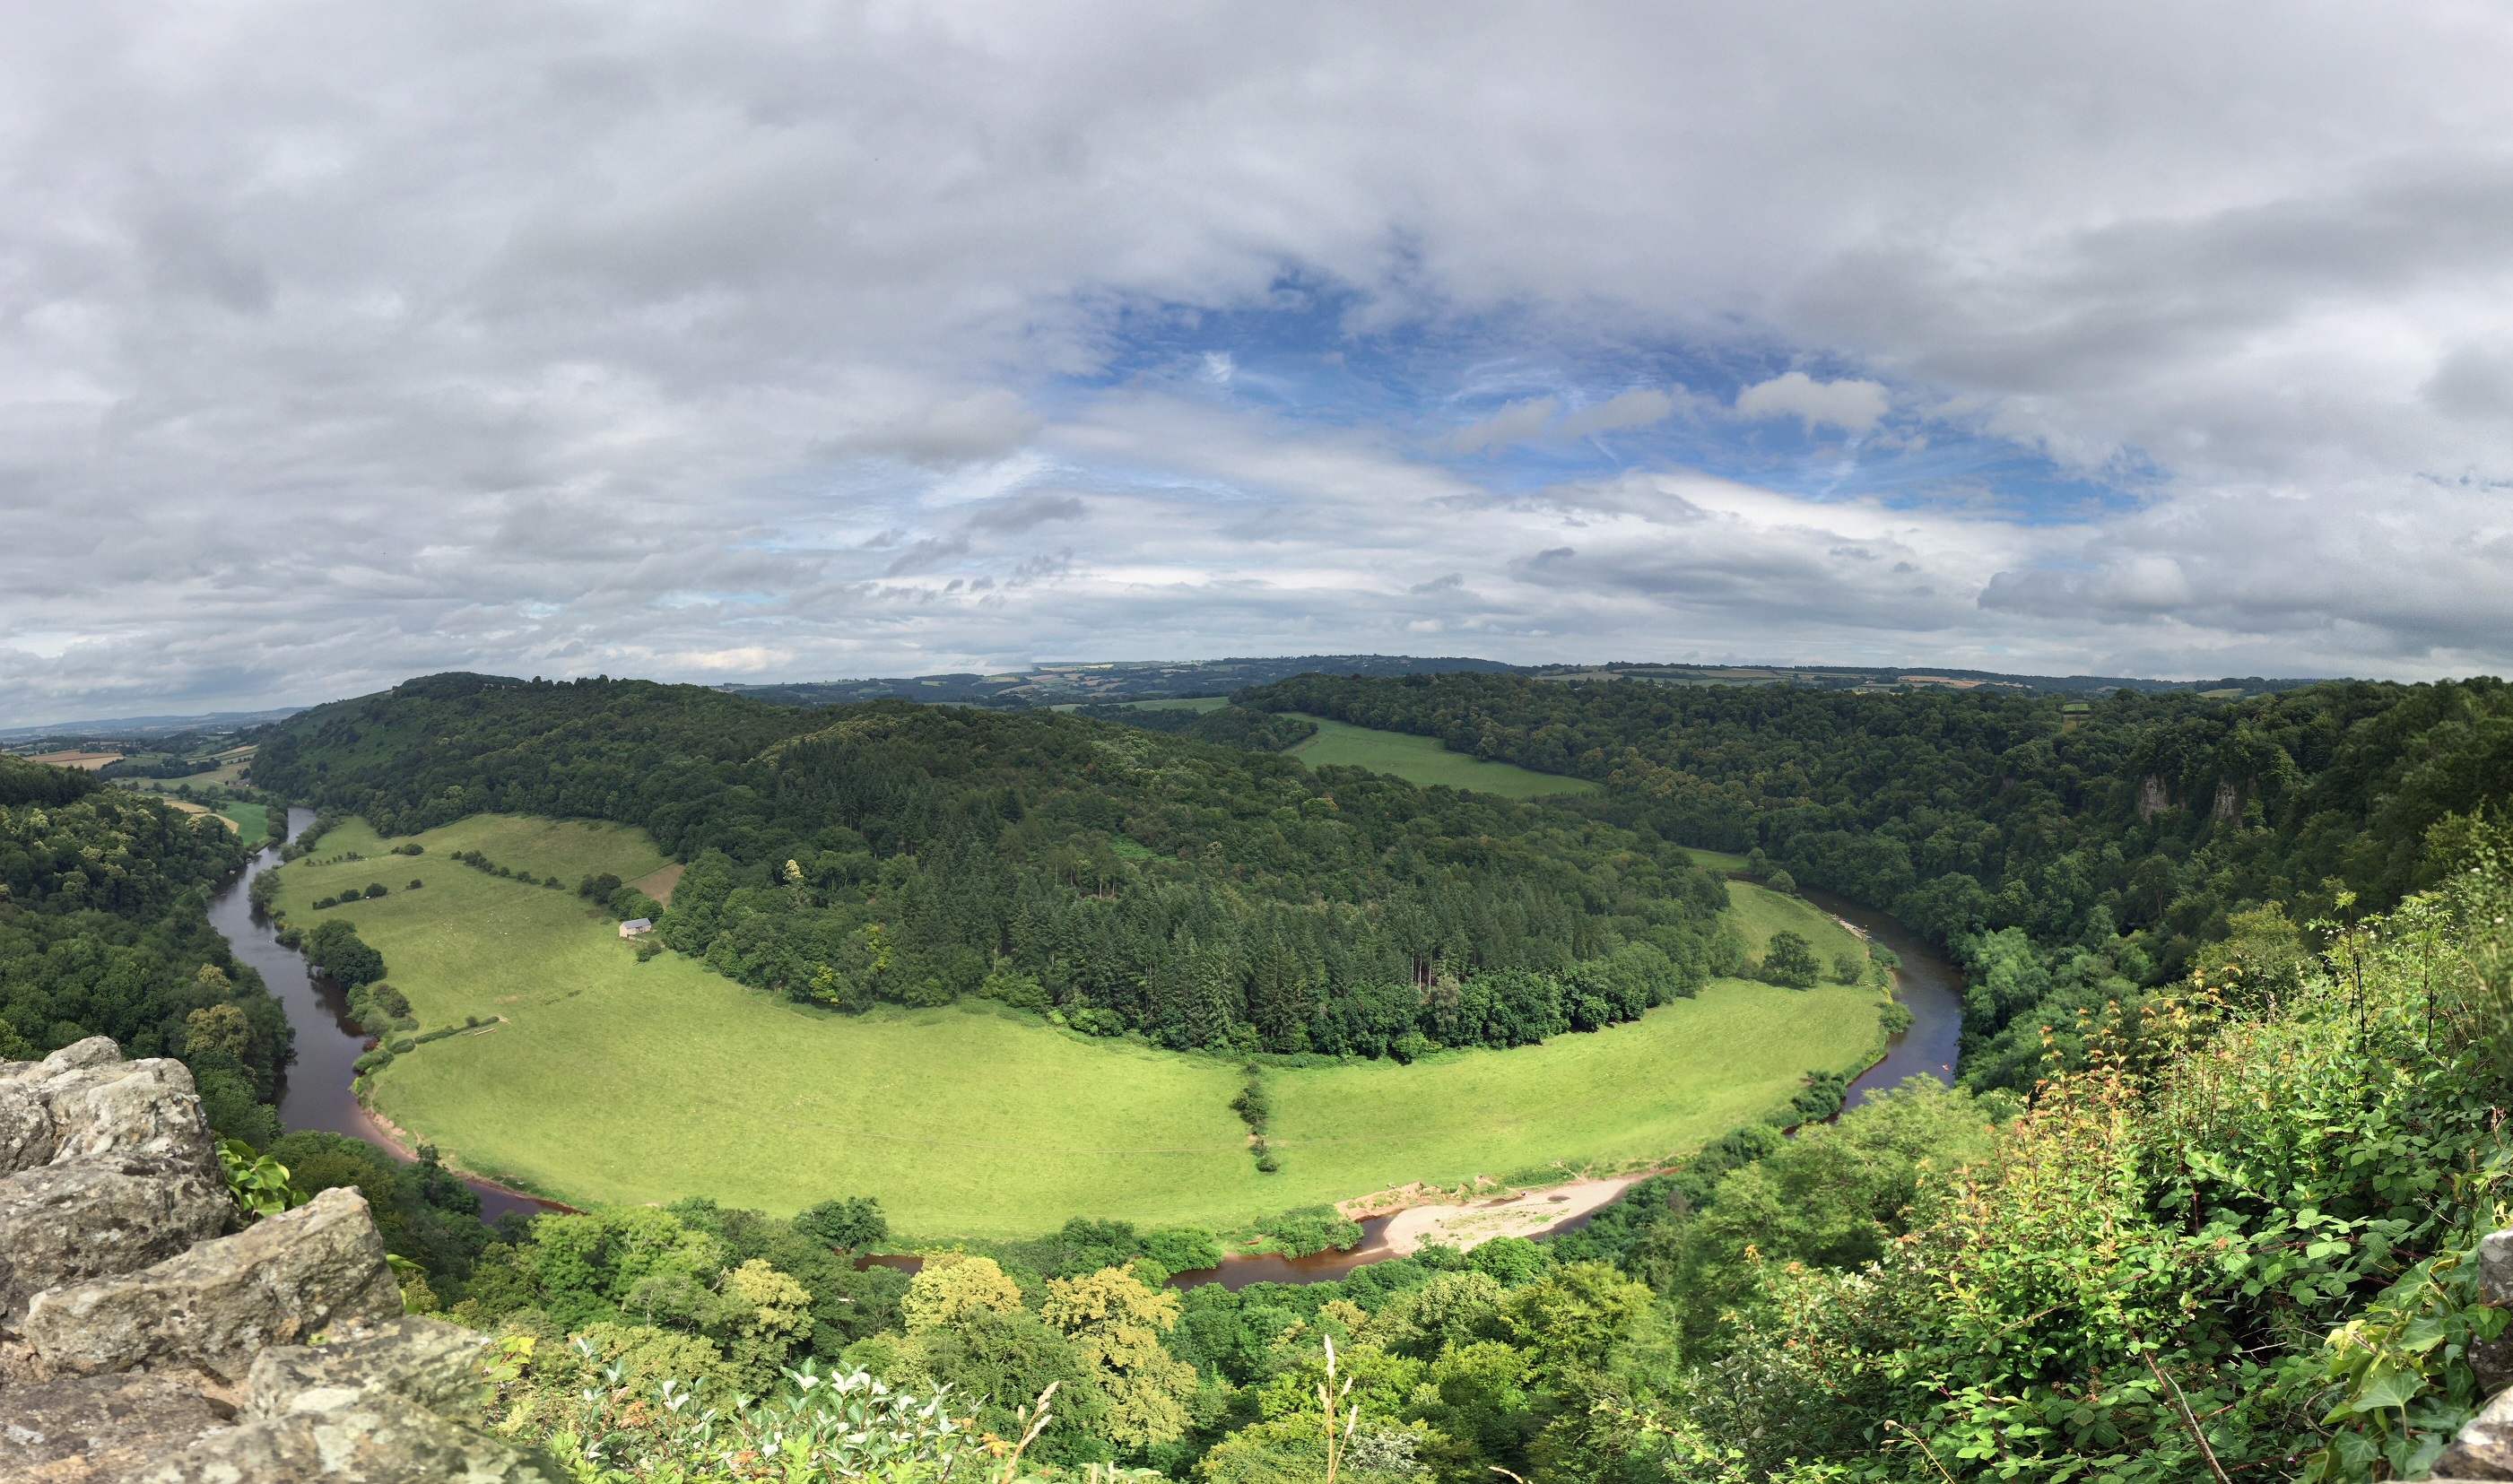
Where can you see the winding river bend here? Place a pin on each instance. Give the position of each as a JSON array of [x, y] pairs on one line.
[[315, 1091], [314, 1086]]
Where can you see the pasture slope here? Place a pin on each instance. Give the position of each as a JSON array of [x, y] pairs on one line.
[[615, 1081], [1425, 761]]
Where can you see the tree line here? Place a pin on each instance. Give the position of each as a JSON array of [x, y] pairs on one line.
[[2069, 855], [103, 932], [2154, 1270], [1121, 879]]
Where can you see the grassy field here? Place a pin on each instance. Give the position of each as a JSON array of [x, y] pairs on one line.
[[1760, 913], [1201, 703], [1424, 760], [252, 820], [616, 1081]]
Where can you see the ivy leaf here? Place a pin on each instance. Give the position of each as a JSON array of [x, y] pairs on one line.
[[2386, 1385]]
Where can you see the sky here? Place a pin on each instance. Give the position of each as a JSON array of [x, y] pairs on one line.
[[793, 341]]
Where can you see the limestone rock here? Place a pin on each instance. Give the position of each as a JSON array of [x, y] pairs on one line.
[[26, 1128], [125, 1107], [369, 1438], [2485, 1448], [2495, 1266], [98, 1427], [423, 1360], [318, 1267], [65, 1223]]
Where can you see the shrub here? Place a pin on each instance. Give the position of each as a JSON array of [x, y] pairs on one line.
[[1314, 1228], [629, 902], [1790, 961], [415, 884], [374, 890]]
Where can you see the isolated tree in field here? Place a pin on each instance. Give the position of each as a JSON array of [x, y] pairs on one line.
[[1848, 967], [1784, 884], [1790, 961]]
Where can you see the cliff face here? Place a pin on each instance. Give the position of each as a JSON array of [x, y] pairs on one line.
[[144, 1336]]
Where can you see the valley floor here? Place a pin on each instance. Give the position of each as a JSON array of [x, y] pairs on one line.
[[614, 1082]]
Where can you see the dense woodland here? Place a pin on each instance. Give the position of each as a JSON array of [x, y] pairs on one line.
[[2233, 1234], [103, 933], [2069, 855], [1239, 726], [2243, 1232], [1118, 878]]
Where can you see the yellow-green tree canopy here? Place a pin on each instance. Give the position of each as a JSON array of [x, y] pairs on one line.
[[1116, 1321], [953, 1285]]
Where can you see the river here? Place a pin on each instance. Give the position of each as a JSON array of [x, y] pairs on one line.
[[1926, 982], [315, 1093], [314, 1086]]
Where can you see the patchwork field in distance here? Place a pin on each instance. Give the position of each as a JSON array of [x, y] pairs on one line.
[[1425, 761], [616, 1081]]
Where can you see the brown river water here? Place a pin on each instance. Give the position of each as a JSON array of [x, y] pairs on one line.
[[315, 1091]]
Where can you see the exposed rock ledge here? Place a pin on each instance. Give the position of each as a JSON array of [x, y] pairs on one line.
[[143, 1338]]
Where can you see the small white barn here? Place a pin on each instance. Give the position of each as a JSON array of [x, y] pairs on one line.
[[636, 927]]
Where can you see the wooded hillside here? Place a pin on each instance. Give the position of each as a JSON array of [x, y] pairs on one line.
[[2069, 855], [1122, 878]]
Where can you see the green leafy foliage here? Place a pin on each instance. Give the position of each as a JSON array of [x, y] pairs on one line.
[[335, 947], [103, 933], [1232, 726], [2066, 859], [258, 1183], [1127, 881], [1789, 959]]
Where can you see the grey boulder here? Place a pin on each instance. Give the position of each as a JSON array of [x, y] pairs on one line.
[[281, 1281], [2484, 1450], [66, 1223], [95, 1428], [370, 1438], [420, 1359], [26, 1128]]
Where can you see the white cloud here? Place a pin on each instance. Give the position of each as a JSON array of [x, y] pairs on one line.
[[1518, 422], [1851, 405], [340, 343], [1636, 409]]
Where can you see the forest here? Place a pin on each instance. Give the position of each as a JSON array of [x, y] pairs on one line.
[[2239, 1242], [2231, 1233], [103, 933], [1121, 879], [2068, 854]]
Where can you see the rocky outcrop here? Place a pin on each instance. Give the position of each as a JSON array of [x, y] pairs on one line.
[[105, 1166], [98, 1427], [142, 1337], [217, 1307], [367, 1408]]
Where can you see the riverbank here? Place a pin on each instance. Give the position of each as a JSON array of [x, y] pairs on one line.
[[316, 1084]]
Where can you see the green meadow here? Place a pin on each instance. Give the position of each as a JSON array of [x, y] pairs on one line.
[[608, 1081], [1426, 761]]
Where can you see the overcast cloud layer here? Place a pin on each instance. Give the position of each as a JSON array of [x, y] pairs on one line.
[[340, 343]]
